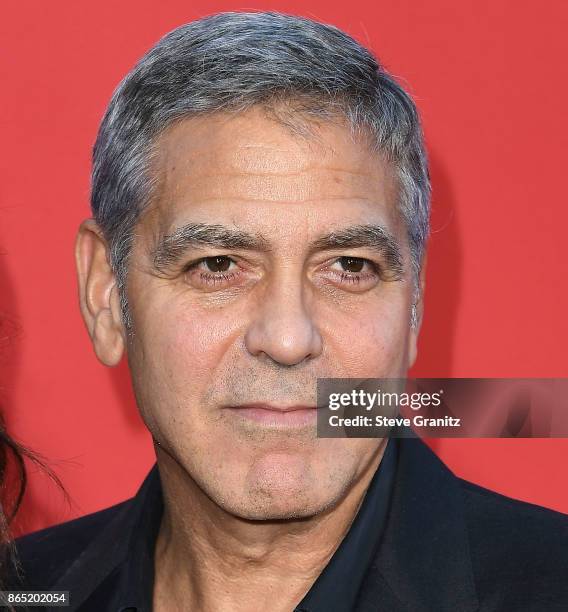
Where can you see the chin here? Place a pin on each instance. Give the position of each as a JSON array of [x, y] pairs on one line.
[[281, 485], [277, 510], [281, 501]]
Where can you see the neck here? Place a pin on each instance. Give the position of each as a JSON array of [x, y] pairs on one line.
[[209, 559]]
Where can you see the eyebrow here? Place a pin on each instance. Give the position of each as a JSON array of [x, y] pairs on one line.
[[374, 237], [171, 247]]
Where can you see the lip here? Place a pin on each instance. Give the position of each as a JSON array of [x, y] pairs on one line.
[[274, 415]]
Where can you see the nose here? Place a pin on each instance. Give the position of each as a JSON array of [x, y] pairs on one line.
[[282, 327]]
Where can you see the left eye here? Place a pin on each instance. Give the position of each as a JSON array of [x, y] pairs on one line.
[[219, 263], [353, 265]]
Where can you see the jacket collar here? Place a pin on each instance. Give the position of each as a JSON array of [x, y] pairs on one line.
[[109, 549], [424, 562]]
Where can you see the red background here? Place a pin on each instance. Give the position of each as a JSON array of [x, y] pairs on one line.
[[489, 78]]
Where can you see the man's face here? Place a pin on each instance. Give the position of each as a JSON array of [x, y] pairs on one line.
[[286, 271]]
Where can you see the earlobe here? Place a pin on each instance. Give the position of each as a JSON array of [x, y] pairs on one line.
[[98, 293]]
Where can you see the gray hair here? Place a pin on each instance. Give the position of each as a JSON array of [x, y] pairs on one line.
[[230, 62]]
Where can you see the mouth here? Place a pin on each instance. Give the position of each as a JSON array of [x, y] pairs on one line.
[[273, 415]]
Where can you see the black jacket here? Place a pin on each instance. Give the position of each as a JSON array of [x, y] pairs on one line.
[[448, 546]]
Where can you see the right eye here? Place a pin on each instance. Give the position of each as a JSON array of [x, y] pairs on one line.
[[219, 263], [212, 272]]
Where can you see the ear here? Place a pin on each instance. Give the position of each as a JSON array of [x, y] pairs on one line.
[[98, 294], [419, 305]]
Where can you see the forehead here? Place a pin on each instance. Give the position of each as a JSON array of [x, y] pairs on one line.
[[223, 163]]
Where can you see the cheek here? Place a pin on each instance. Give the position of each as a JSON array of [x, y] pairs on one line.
[[371, 338], [198, 340], [179, 352], [180, 346]]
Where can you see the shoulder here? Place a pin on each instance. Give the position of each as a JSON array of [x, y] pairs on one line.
[[44, 555], [507, 520], [518, 544]]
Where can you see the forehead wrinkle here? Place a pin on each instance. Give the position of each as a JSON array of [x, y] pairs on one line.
[[308, 169], [205, 137], [304, 186], [200, 145], [273, 159]]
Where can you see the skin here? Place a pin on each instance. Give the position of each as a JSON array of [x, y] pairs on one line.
[[257, 509]]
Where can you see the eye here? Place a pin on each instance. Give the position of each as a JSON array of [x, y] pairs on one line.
[[356, 272], [219, 263], [212, 272], [352, 264], [356, 266]]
